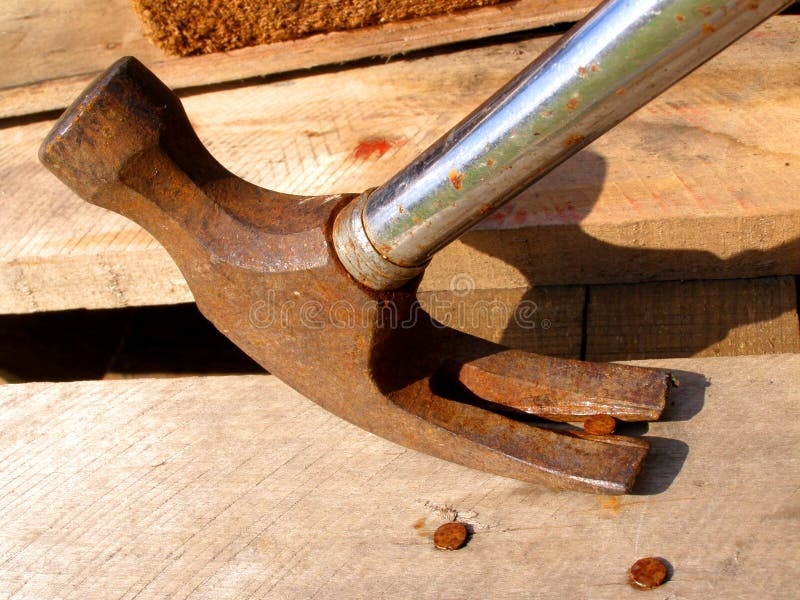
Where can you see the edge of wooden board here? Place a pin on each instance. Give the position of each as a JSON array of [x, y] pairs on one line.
[[239, 487], [121, 279], [386, 40]]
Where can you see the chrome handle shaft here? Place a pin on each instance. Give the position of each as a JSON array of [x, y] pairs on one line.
[[622, 55]]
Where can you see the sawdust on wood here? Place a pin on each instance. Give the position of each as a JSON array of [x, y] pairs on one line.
[[185, 27]]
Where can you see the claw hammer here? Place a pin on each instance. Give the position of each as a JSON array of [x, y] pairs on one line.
[[259, 262]]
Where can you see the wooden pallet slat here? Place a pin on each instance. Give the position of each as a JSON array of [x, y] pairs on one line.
[[698, 184], [545, 320], [54, 51], [692, 318], [235, 487]]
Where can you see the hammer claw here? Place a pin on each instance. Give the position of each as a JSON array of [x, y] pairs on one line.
[[566, 390], [498, 443]]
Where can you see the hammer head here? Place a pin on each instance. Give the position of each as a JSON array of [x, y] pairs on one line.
[[261, 267]]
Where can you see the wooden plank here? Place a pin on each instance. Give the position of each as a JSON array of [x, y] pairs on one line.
[[692, 318], [45, 41], [546, 320], [237, 487], [701, 183], [55, 49]]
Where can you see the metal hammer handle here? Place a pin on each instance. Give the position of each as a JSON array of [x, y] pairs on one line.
[[621, 56]]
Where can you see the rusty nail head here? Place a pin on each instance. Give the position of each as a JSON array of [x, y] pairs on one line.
[[599, 424], [450, 536], [647, 573]]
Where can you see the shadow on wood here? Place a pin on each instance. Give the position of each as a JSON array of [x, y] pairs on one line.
[[667, 456], [570, 245]]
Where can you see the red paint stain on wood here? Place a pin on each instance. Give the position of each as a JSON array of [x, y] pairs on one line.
[[519, 217], [690, 114], [630, 200], [376, 147], [742, 200], [697, 198]]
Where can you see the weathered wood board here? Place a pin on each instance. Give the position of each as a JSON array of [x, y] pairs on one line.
[[53, 50], [44, 42], [546, 320], [701, 183], [237, 487], [692, 318]]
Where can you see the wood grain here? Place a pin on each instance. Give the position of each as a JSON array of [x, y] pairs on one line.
[[545, 320], [237, 487], [54, 50], [701, 183], [692, 318], [46, 41]]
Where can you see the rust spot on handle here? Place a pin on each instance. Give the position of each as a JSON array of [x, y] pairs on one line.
[[455, 179], [574, 139]]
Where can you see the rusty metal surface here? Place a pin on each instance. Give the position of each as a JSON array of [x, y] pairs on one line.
[[450, 536], [647, 573], [566, 390], [600, 425], [261, 267]]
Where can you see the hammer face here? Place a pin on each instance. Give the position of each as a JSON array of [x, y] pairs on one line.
[[262, 268]]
